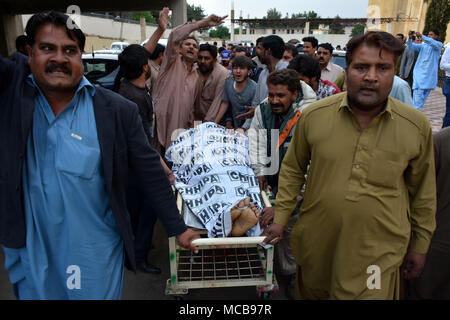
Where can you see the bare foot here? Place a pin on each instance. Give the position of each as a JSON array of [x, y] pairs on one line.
[[247, 219]]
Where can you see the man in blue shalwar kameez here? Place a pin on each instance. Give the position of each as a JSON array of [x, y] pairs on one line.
[[426, 68], [68, 146]]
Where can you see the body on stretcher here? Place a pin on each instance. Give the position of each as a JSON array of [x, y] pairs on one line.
[[221, 262]]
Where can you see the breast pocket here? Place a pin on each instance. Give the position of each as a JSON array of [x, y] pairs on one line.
[[386, 169], [80, 158]]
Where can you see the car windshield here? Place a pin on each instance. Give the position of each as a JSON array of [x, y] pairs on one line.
[[98, 70], [339, 60]]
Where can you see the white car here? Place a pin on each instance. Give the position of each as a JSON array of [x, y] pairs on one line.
[[101, 68], [119, 46], [160, 41]]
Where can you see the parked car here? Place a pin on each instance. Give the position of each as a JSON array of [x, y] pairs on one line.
[[101, 68], [160, 41], [119, 46], [339, 58], [299, 47]]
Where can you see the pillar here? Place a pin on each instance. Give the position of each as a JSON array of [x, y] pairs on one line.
[[179, 12]]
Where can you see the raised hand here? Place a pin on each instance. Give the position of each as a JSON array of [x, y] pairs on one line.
[[163, 18], [212, 21]]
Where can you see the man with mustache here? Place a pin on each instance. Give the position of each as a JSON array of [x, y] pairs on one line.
[[370, 197], [175, 90], [330, 71], [288, 96], [67, 150], [210, 83]]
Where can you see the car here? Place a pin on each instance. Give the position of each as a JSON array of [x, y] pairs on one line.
[[339, 58], [101, 68], [160, 41], [119, 46], [299, 47]]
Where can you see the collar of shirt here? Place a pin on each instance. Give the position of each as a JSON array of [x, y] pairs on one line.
[[84, 84], [328, 67], [387, 109]]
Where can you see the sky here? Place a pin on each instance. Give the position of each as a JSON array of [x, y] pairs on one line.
[[258, 8]]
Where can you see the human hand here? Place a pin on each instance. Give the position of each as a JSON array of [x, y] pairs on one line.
[[418, 35], [185, 240], [229, 125], [413, 265], [400, 76], [262, 183], [273, 234], [163, 18], [171, 177], [249, 114], [214, 21], [267, 215]]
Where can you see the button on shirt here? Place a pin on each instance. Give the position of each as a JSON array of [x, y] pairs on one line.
[[366, 191], [73, 247]]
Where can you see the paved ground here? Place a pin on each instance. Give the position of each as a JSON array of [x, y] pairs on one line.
[[142, 286], [434, 108]]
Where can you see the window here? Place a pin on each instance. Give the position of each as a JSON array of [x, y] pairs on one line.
[[274, 31]]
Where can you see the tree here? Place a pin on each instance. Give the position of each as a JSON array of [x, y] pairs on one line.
[[310, 15], [221, 32], [357, 29], [273, 14], [438, 16], [195, 13], [148, 15], [336, 27]]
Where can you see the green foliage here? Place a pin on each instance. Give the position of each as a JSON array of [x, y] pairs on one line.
[[336, 27], [236, 30], [221, 32], [195, 13], [438, 16], [273, 14], [148, 15], [357, 29]]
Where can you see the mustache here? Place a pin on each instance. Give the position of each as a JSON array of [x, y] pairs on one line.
[[56, 66], [276, 105]]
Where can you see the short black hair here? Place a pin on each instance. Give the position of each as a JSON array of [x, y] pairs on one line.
[[435, 31], [327, 46], [131, 61], [58, 19], [314, 41], [158, 50], [292, 49], [285, 77], [240, 49], [210, 48], [260, 39], [242, 62], [401, 35], [275, 44], [306, 65], [21, 41], [379, 39]]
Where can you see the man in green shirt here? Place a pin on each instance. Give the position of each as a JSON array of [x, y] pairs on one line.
[[369, 204]]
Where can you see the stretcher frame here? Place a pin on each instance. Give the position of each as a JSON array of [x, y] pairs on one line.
[[221, 262]]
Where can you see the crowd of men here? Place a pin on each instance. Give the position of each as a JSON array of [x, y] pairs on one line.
[[359, 179]]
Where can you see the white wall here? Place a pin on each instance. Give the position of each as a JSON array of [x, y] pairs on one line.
[[109, 28]]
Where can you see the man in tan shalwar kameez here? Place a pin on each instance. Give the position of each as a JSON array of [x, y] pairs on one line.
[[370, 198], [175, 92]]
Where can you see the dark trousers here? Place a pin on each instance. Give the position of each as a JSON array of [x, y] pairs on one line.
[[143, 220], [446, 92]]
